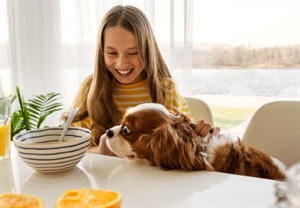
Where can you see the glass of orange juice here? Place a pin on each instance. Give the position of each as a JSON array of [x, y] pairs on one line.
[[4, 128]]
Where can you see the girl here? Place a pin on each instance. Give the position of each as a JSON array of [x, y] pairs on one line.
[[129, 70]]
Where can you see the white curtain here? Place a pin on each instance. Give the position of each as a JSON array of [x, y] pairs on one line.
[[49, 46]]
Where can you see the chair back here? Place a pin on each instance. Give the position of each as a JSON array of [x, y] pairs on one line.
[[199, 109], [275, 129]]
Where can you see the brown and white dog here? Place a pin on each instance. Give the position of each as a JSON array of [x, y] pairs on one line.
[[150, 132]]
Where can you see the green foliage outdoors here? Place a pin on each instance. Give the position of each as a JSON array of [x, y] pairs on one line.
[[229, 117], [32, 113]]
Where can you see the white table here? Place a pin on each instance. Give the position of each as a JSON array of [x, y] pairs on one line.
[[141, 186]]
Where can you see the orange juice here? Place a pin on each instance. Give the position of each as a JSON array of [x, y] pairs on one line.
[[4, 140]]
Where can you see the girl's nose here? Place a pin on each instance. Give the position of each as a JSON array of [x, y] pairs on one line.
[[122, 62]]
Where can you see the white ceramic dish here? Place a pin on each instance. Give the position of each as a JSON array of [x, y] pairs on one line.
[[41, 149]]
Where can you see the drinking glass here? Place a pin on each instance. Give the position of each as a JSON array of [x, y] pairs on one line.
[[4, 128]]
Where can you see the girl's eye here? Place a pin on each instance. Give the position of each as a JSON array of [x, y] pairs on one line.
[[111, 53], [132, 53], [125, 130]]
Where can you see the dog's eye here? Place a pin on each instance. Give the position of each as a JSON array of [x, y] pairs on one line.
[[125, 130]]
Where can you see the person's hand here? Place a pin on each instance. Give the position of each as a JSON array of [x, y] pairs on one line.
[[203, 129], [215, 131]]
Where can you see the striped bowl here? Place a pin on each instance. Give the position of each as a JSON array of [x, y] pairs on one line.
[[41, 149]]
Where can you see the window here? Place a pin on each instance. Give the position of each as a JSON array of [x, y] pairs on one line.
[[235, 55]]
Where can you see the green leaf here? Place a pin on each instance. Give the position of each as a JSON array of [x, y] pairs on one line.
[[23, 107], [33, 113], [17, 123], [43, 105]]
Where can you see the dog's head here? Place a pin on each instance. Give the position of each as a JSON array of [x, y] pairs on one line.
[[150, 132]]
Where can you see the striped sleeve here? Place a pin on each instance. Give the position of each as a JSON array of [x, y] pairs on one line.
[[174, 101], [85, 123]]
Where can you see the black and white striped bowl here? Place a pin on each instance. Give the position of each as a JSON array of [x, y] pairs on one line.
[[41, 149]]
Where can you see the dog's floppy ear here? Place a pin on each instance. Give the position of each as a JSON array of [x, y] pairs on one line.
[[171, 151]]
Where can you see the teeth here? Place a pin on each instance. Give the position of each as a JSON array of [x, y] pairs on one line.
[[124, 72]]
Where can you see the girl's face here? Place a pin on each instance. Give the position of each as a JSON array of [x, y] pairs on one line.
[[121, 55]]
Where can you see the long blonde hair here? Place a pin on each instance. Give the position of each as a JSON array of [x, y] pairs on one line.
[[99, 103]]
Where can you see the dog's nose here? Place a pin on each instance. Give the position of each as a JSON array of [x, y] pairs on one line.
[[109, 133]]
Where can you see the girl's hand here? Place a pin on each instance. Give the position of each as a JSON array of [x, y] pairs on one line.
[[203, 129]]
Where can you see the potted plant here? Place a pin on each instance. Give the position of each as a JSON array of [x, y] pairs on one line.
[[32, 113]]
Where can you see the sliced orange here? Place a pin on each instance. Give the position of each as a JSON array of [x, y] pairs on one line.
[[89, 198], [10, 200]]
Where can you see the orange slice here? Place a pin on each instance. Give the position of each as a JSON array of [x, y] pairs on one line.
[[89, 198], [10, 200]]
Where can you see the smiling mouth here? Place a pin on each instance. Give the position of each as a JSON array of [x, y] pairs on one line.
[[124, 72]]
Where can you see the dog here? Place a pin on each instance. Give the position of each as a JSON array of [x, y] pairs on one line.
[[151, 133]]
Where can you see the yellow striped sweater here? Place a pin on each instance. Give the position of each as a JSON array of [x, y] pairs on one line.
[[126, 96], [130, 95]]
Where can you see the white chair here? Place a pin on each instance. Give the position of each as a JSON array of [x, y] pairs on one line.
[[275, 129], [199, 109]]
